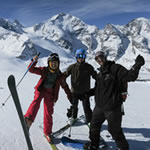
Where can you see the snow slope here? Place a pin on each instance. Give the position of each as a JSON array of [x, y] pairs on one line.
[[136, 122]]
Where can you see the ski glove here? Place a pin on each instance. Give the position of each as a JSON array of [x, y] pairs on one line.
[[139, 61], [70, 111], [35, 58], [124, 96]]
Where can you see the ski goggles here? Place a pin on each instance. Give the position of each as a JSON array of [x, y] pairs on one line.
[[83, 56], [53, 58]]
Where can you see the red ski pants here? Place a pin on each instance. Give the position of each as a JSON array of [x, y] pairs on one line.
[[48, 108]]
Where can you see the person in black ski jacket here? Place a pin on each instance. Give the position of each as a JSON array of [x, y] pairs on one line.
[[81, 73], [109, 99]]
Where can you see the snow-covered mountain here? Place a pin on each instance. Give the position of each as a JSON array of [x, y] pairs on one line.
[[15, 26], [13, 41], [121, 43], [63, 34]]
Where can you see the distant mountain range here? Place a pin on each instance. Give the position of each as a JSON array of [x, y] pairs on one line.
[[121, 43]]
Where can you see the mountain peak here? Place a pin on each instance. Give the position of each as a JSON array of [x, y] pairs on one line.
[[17, 23], [65, 19], [15, 26], [141, 19], [59, 16], [138, 26], [139, 22], [5, 23], [111, 29]]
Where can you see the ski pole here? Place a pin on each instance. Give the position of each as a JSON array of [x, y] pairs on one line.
[[3, 104], [69, 135]]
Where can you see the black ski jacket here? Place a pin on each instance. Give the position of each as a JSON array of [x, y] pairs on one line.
[[80, 77], [109, 83]]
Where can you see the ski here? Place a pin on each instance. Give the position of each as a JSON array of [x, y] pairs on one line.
[[61, 130], [55, 134], [72, 143], [52, 143], [64, 128], [77, 144], [13, 90]]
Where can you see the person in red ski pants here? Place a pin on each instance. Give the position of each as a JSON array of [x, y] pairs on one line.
[[47, 88]]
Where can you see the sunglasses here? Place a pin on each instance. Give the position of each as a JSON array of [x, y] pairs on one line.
[[83, 56]]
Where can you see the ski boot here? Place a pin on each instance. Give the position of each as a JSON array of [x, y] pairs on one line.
[[48, 138], [72, 121]]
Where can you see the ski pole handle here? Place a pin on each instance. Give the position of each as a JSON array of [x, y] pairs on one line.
[[36, 55]]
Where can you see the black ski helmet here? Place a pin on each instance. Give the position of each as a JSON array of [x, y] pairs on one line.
[[100, 54], [53, 57]]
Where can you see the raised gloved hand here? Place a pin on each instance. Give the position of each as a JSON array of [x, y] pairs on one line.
[[140, 60]]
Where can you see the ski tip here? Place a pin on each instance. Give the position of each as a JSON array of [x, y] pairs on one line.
[[11, 78]]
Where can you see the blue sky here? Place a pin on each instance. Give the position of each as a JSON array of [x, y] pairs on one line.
[[93, 12]]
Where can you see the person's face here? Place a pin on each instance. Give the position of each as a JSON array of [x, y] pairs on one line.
[[100, 61], [80, 60], [53, 65]]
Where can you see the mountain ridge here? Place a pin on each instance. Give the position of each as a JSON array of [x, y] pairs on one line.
[[67, 32]]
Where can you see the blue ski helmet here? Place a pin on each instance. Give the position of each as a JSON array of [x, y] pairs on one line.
[[80, 53]]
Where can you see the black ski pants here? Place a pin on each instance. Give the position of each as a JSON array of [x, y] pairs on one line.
[[114, 119], [85, 104]]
